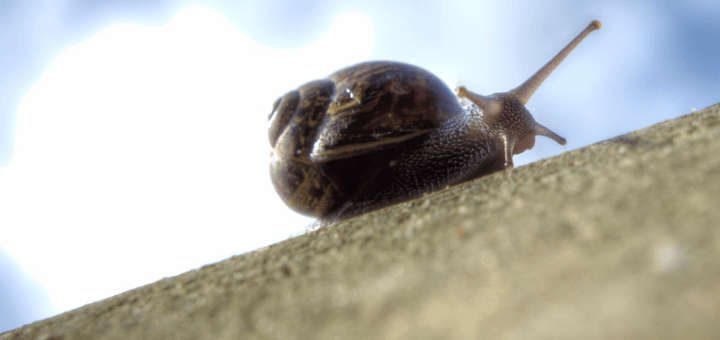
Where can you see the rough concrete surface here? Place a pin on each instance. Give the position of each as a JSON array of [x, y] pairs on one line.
[[617, 240]]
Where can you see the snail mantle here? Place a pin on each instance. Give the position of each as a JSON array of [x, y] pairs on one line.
[[618, 239]]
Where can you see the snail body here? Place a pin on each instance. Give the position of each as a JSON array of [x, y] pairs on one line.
[[379, 133]]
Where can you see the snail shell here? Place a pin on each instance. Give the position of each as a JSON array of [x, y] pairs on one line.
[[379, 133]]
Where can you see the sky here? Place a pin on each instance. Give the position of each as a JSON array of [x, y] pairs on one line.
[[140, 151]]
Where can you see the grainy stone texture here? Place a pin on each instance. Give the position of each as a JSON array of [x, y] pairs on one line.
[[617, 240]]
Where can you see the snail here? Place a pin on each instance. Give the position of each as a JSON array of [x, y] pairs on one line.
[[379, 133]]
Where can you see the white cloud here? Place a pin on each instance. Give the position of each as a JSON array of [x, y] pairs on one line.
[[143, 152]]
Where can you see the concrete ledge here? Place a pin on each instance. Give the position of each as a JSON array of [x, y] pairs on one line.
[[620, 239]]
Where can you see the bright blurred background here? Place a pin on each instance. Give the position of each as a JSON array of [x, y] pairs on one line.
[[133, 137]]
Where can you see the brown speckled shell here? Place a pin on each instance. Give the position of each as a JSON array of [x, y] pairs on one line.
[[332, 136]]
